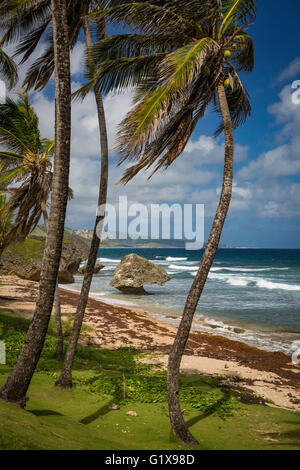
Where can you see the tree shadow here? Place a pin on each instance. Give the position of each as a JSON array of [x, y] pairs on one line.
[[105, 409], [97, 414], [205, 414], [45, 413], [293, 437]]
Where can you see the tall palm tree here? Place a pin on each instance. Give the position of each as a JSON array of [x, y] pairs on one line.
[[16, 385], [65, 379], [184, 56], [21, 18]]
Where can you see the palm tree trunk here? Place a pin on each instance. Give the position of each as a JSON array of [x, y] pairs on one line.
[[178, 425], [65, 379], [60, 335], [16, 386]]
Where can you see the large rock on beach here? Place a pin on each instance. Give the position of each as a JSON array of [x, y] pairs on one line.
[[134, 272]]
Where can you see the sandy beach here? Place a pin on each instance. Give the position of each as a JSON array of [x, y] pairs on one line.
[[272, 375]]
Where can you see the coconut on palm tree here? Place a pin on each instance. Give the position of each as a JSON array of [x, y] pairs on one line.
[[17, 383], [182, 57], [34, 21]]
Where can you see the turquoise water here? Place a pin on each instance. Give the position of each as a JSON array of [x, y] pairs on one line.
[[255, 290]]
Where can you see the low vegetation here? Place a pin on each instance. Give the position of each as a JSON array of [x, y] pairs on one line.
[[84, 418]]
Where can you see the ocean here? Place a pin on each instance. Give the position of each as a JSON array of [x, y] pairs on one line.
[[251, 295]]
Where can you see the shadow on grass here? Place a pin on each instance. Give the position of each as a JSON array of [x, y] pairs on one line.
[[205, 414], [97, 414], [291, 438], [45, 413]]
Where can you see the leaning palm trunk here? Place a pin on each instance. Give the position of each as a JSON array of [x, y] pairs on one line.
[[16, 386], [178, 425], [65, 379], [60, 336]]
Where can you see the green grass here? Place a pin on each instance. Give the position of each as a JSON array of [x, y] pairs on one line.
[[81, 419], [27, 250]]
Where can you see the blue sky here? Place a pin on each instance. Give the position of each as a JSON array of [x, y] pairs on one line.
[[265, 209]]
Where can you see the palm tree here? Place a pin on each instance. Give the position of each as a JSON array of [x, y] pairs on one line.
[[22, 18], [184, 56], [65, 379], [26, 165], [16, 385]]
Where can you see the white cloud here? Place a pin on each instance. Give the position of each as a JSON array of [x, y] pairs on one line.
[[206, 149], [271, 194], [85, 134], [290, 71], [77, 58], [281, 161]]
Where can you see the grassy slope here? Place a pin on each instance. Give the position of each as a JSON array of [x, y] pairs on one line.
[[28, 250], [80, 418]]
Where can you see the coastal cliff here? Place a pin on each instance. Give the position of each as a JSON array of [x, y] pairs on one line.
[[25, 259]]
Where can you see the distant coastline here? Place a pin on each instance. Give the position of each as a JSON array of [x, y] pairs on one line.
[[116, 240]]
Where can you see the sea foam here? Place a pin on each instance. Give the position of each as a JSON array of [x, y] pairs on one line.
[[235, 280]]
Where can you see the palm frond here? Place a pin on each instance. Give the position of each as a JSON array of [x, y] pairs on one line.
[[238, 103], [150, 17], [120, 73], [177, 71], [19, 130], [10, 176], [196, 12], [133, 45], [9, 160], [18, 18], [47, 146], [40, 71], [243, 56], [29, 43], [173, 134], [182, 66], [8, 69], [236, 12]]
